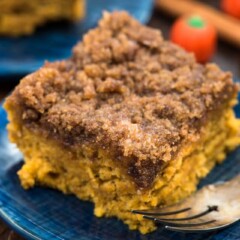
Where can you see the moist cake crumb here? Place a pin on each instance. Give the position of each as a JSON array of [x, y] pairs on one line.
[[128, 91]]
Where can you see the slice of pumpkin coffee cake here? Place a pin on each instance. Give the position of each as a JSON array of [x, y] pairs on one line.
[[130, 121]]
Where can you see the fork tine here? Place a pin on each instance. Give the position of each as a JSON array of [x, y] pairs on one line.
[[174, 224], [190, 224], [188, 229], [210, 209], [197, 229], [149, 213]]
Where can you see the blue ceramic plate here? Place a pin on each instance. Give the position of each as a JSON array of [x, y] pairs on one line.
[[19, 56], [42, 213]]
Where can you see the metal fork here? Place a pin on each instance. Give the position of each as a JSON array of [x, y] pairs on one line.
[[211, 208]]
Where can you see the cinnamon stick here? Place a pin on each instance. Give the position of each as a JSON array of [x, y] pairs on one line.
[[227, 26]]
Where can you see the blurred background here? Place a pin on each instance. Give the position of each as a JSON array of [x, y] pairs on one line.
[[32, 32]]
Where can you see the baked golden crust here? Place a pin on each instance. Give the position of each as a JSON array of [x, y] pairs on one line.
[[127, 91]]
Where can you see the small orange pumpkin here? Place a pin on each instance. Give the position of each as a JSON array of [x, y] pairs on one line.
[[231, 7], [195, 35]]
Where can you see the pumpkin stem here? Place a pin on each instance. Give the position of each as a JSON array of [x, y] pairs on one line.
[[196, 21]]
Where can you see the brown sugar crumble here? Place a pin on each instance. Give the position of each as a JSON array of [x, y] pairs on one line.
[[126, 90]]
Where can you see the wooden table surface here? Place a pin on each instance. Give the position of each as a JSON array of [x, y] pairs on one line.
[[227, 57]]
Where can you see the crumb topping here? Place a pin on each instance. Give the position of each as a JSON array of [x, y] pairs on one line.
[[125, 89]]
